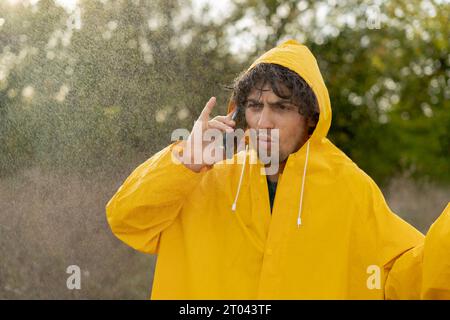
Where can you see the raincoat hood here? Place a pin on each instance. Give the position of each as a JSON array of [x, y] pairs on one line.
[[298, 58], [216, 236]]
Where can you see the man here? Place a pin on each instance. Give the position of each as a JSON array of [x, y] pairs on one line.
[[330, 234]]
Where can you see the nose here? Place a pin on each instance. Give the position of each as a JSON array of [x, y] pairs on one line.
[[265, 120]]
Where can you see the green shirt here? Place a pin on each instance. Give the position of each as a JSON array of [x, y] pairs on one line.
[[272, 189]]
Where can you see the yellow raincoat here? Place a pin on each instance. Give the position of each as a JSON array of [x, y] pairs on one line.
[[331, 234]]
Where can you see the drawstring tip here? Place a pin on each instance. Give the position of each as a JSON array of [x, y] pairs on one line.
[[233, 207], [299, 222]]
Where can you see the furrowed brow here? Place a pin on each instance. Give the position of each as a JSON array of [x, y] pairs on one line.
[[254, 101], [273, 103], [280, 102]]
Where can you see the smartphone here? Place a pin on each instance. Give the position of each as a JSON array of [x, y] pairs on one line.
[[231, 140]]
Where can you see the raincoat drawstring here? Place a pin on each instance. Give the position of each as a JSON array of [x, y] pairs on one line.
[[233, 207], [299, 218]]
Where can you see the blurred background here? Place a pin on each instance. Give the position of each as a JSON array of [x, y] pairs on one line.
[[91, 89]]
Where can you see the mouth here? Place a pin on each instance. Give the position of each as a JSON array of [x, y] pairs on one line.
[[265, 142], [265, 139]]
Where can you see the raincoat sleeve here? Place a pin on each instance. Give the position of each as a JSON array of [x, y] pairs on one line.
[[423, 272], [150, 199]]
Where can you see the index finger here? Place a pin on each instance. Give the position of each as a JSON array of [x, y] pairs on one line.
[[208, 108]]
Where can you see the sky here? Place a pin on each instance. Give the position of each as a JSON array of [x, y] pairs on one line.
[[241, 41], [69, 5]]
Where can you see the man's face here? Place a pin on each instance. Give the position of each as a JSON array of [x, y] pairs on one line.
[[265, 110]]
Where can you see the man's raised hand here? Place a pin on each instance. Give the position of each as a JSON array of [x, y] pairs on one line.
[[194, 146]]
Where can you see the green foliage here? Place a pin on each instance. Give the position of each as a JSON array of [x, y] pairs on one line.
[[90, 88]]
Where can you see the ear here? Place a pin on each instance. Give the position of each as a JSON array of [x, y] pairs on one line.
[[310, 125]]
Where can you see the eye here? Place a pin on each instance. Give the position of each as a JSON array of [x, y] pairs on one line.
[[283, 107]]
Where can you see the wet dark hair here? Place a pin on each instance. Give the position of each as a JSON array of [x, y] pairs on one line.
[[280, 78]]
